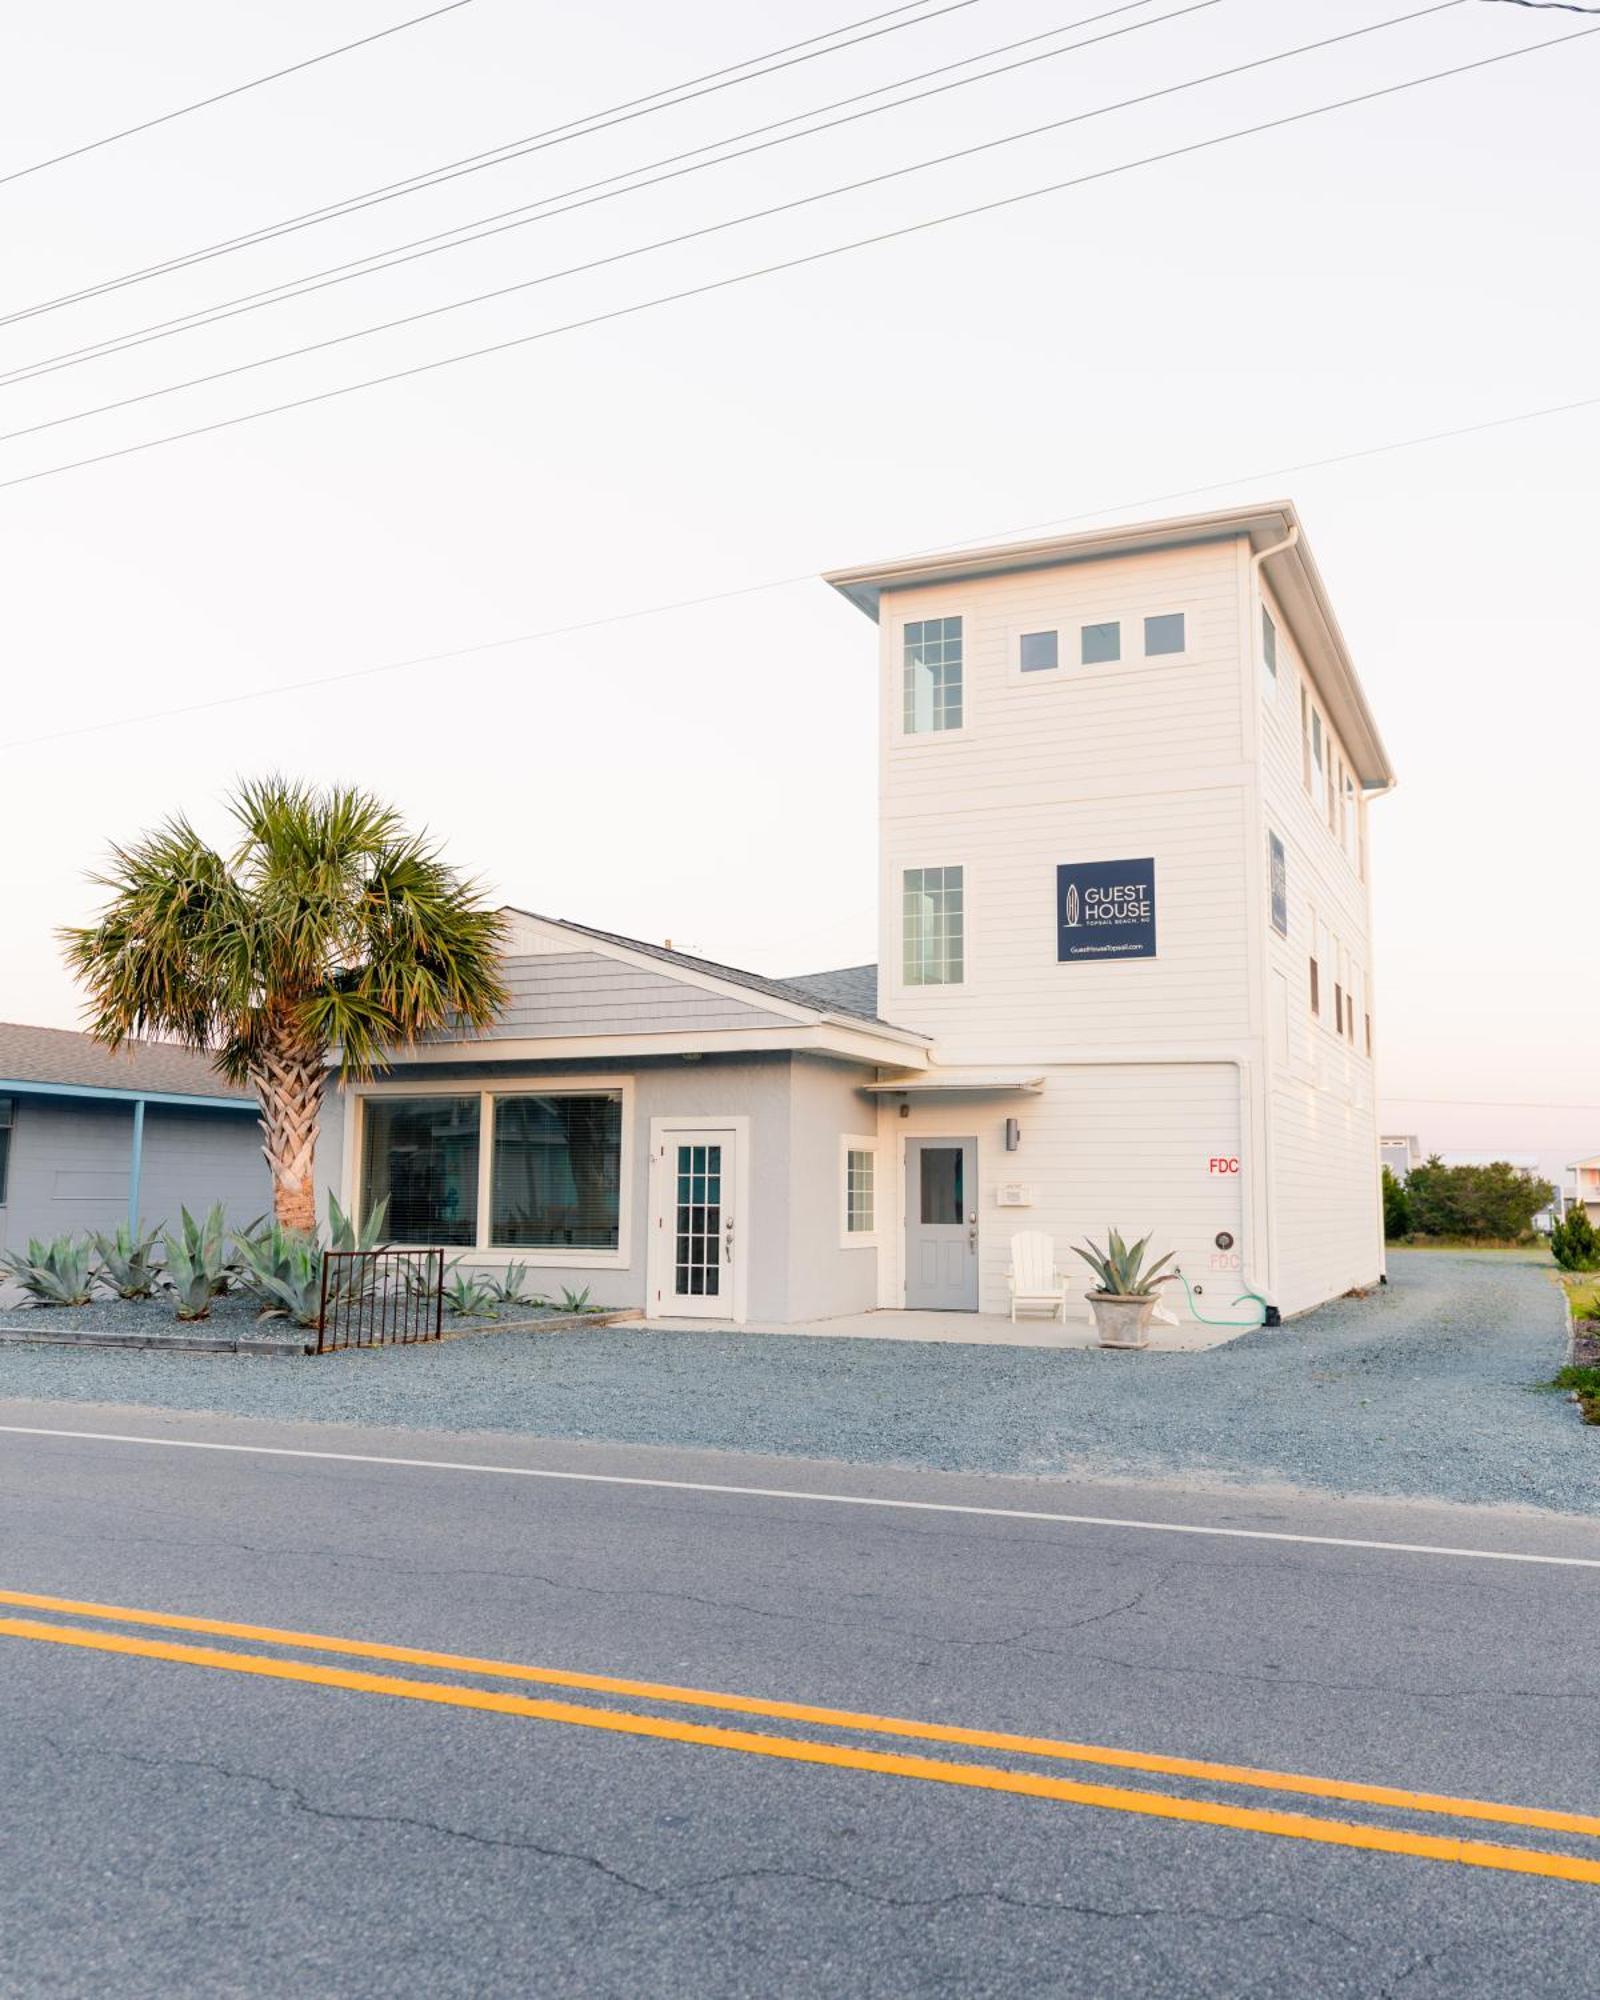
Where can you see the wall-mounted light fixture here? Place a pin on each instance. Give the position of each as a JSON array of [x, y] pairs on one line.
[[905, 1107], [1013, 1135]]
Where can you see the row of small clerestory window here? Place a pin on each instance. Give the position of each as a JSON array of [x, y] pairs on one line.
[[932, 660]]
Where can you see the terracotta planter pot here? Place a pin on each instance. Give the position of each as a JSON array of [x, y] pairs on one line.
[[1122, 1322]]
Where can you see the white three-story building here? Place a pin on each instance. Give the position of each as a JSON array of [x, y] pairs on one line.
[[1125, 979]]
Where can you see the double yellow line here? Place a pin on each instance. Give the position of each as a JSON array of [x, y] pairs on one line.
[[844, 1756]]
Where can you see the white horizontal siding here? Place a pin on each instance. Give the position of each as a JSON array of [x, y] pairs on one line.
[[1015, 999], [1123, 1146]]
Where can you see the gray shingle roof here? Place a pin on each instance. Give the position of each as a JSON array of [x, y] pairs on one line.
[[60, 1055], [798, 992], [851, 989]]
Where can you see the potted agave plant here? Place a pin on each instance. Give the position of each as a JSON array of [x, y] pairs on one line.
[[1126, 1289]]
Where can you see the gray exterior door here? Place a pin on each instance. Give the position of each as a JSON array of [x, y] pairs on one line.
[[942, 1224]]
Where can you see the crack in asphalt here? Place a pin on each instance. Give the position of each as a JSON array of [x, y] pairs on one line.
[[297, 1800]]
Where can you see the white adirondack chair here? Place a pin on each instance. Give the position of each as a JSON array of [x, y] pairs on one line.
[[1034, 1279]]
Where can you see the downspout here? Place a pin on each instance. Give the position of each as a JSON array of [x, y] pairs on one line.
[[1271, 1315]]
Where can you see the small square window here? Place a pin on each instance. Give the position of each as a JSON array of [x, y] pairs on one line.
[[1269, 656], [1164, 634], [1102, 643], [1039, 652]]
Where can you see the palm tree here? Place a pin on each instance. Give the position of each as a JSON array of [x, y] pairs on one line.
[[330, 930]]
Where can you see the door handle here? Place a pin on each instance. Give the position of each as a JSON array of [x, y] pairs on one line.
[[972, 1232], [727, 1241]]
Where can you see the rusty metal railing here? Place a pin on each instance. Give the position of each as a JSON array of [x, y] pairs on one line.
[[380, 1298]]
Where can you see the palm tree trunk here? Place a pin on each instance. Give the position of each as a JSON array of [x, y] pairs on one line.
[[290, 1082]]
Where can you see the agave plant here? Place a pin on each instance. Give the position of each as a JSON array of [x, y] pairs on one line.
[[128, 1263], [469, 1297], [1121, 1272], [507, 1289], [198, 1267], [57, 1273], [282, 1268], [575, 1302], [349, 1232]]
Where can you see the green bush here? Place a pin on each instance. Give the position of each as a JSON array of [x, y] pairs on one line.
[[1585, 1380], [1396, 1208], [198, 1268], [128, 1263], [1495, 1203], [282, 1269], [57, 1273], [1574, 1243]]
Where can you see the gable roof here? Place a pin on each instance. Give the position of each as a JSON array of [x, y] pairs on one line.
[[857, 1004], [63, 1057]]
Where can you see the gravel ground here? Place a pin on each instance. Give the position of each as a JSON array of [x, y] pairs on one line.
[[1430, 1387], [234, 1316]]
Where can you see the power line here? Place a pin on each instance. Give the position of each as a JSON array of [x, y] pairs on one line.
[[763, 215], [616, 313], [803, 576], [669, 96], [526, 213], [221, 96]]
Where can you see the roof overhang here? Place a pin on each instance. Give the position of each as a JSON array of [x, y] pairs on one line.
[[1293, 574], [103, 1093], [979, 1082]]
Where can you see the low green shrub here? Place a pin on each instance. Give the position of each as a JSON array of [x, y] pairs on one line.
[[1573, 1241], [282, 1269], [507, 1289], [57, 1273], [128, 1263], [469, 1297], [1585, 1380], [198, 1267]]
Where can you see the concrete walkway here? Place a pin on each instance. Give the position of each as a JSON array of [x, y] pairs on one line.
[[966, 1329]]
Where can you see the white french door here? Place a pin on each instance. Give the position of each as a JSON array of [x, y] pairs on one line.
[[696, 1250]]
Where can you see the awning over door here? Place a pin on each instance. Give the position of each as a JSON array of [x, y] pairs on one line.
[[990, 1082]]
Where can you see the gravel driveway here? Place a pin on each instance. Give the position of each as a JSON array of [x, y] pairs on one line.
[[1429, 1388]]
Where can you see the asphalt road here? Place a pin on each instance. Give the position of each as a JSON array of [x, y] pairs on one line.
[[216, 1813]]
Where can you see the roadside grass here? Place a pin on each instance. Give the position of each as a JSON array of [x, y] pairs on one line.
[[1466, 1246]]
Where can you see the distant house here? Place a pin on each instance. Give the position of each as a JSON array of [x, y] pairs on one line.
[[1586, 1184], [1400, 1152], [89, 1138]]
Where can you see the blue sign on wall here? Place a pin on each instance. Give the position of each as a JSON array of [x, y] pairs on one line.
[[1105, 909]]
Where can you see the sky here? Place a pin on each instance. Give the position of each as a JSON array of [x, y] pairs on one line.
[[1168, 338]]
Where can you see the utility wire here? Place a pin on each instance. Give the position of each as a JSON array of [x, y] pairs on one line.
[[526, 213], [753, 215], [793, 263], [667, 98], [807, 576], [238, 90]]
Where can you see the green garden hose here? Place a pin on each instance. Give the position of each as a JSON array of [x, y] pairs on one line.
[[1206, 1321]]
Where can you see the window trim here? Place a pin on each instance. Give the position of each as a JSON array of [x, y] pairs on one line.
[[922, 737], [1184, 653], [484, 1252], [1017, 636], [1120, 663], [1271, 685], [860, 1239], [907, 984]]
